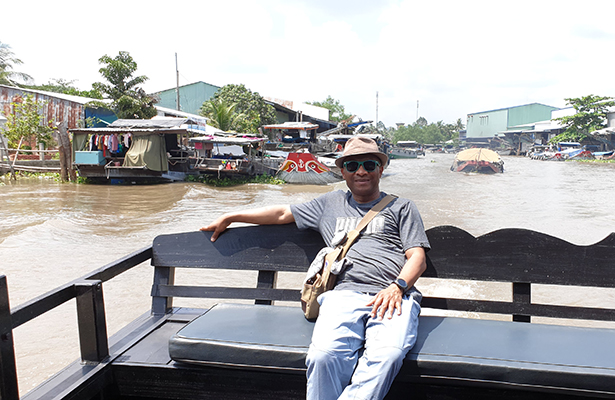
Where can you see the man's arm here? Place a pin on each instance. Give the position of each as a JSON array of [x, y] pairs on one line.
[[274, 215], [389, 299]]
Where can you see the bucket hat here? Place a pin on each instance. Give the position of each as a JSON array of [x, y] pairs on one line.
[[357, 146]]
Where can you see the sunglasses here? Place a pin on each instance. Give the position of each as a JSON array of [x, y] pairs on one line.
[[368, 165]]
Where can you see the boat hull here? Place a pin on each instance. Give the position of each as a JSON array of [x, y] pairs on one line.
[[397, 153], [306, 169], [478, 166]]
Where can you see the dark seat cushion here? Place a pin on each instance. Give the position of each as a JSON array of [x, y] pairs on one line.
[[549, 357], [245, 335], [552, 357]]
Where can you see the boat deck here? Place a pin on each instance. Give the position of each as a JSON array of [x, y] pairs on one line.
[[454, 358], [139, 367]]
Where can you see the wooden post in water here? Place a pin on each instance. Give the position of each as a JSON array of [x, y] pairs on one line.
[[8, 158], [66, 169]]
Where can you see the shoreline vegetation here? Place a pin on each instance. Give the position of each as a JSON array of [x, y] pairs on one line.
[[208, 180]]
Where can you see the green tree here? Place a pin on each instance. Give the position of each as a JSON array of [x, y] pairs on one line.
[[7, 61], [222, 115], [26, 122], [250, 107], [337, 111], [128, 100], [66, 87], [428, 133], [590, 116]]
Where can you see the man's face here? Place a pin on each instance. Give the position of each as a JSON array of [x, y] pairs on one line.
[[363, 185]]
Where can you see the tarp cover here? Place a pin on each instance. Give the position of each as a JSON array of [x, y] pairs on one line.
[[147, 151], [478, 154]]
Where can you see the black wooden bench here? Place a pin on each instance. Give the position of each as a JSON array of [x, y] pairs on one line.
[[479, 358]]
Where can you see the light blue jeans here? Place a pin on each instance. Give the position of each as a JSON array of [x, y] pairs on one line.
[[354, 356]]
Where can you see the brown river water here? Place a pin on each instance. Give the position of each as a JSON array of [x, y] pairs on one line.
[[52, 233]]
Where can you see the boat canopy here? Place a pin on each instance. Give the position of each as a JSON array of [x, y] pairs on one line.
[[478, 154]]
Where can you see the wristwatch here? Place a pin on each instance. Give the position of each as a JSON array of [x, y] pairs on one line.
[[401, 283]]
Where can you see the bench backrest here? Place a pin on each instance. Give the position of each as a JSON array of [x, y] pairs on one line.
[[519, 256]]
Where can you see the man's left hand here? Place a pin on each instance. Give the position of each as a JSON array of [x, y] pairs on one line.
[[386, 302]]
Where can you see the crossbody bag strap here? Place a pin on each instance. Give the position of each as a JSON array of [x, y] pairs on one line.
[[354, 234]]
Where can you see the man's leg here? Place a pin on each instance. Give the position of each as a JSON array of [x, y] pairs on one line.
[[337, 338], [386, 344]]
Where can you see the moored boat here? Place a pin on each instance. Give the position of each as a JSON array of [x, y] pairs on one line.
[[402, 152], [478, 160], [134, 151], [233, 156], [410, 144]]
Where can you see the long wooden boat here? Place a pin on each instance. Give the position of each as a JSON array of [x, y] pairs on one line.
[[478, 160], [402, 152], [257, 351]]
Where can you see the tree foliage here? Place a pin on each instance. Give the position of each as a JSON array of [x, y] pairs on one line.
[[590, 115], [426, 133], [26, 121], [128, 100], [222, 115], [7, 62], [250, 108], [66, 87], [337, 111]]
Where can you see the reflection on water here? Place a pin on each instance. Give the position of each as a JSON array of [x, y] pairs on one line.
[[52, 233]]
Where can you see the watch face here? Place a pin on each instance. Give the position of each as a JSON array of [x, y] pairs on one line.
[[401, 283]]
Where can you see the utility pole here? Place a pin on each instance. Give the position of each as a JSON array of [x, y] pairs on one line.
[[417, 111], [376, 109], [177, 83]]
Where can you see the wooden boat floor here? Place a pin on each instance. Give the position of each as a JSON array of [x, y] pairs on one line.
[[139, 367]]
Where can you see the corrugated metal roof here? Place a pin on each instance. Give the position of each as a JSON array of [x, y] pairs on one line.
[[293, 125], [509, 108], [199, 119], [226, 139], [61, 96], [159, 122]]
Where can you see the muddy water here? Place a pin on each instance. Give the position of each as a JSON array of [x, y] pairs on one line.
[[51, 233]]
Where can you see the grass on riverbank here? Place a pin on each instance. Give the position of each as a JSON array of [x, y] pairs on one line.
[[223, 182], [212, 181], [30, 175]]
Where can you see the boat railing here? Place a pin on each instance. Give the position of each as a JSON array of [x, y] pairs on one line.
[[91, 320]]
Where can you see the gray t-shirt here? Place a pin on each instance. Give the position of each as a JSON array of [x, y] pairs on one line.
[[378, 255]]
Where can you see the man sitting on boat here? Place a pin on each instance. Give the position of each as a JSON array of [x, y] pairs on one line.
[[361, 336]]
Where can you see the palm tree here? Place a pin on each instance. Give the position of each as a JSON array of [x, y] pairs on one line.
[[221, 115], [128, 99], [7, 60]]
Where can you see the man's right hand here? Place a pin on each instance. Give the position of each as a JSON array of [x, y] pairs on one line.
[[273, 215], [218, 226]]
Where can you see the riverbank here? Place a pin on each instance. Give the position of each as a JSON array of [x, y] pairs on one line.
[[223, 182]]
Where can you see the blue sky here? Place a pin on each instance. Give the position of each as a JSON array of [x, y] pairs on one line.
[[453, 57]]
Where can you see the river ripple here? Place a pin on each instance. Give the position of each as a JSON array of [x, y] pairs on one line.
[[51, 233]]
